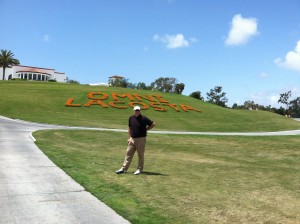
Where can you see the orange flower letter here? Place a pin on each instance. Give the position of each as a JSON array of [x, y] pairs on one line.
[[157, 106], [116, 95], [186, 108], [69, 103], [113, 104], [95, 102], [91, 96], [143, 105]]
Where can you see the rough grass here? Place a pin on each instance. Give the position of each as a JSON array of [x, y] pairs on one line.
[[187, 179]]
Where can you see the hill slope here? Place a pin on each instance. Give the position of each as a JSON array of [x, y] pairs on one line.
[[109, 107]]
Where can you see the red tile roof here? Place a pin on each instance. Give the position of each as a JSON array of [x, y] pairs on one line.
[[33, 70], [34, 67], [116, 77]]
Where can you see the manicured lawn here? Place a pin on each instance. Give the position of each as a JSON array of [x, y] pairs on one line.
[[187, 179], [45, 103]]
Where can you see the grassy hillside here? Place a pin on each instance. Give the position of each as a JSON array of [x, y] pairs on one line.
[[45, 103]]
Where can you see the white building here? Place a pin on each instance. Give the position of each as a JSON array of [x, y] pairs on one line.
[[33, 73], [115, 78]]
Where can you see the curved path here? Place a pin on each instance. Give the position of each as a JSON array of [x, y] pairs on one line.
[[34, 190]]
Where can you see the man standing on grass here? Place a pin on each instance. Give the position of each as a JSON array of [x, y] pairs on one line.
[[138, 126]]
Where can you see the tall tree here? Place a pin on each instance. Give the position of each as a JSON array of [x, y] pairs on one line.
[[284, 98], [197, 95], [141, 85], [164, 84], [179, 88], [216, 96], [295, 107], [121, 82], [7, 60], [250, 105]]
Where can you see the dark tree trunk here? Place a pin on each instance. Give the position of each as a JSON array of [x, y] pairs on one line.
[[3, 73]]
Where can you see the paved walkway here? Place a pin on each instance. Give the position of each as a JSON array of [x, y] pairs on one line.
[[33, 190]]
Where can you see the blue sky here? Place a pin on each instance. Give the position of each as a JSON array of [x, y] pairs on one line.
[[250, 48]]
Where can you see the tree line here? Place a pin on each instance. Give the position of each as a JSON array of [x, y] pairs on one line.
[[170, 85], [163, 84], [215, 96]]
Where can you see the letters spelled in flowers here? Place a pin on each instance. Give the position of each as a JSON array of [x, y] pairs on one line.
[[157, 102]]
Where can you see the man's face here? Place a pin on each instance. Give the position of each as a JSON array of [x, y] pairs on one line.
[[137, 113]]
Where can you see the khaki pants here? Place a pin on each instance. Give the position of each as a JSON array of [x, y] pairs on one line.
[[136, 144]]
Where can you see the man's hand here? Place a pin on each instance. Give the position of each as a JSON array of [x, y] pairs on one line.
[[150, 127], [129, 140]]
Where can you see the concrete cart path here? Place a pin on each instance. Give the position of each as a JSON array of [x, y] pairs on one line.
[[33, 190]]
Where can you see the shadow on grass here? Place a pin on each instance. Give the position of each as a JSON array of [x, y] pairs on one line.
[[154, 174]]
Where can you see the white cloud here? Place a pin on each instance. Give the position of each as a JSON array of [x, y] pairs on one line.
[[174, 41], [242, 29], [292, 59], [266, 98], [46, 38], [271, 97]]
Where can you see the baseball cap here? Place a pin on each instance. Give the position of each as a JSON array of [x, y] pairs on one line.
[[136, 108]]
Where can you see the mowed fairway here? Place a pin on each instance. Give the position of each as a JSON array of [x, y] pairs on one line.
[[187, 179]]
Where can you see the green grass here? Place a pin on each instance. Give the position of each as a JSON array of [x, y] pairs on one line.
[[188, 179], [45, 103]]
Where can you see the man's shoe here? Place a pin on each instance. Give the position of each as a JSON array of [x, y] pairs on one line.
[[137, 172], [120, 171]]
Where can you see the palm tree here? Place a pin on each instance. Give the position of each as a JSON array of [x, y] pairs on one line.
[[7, 60]]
